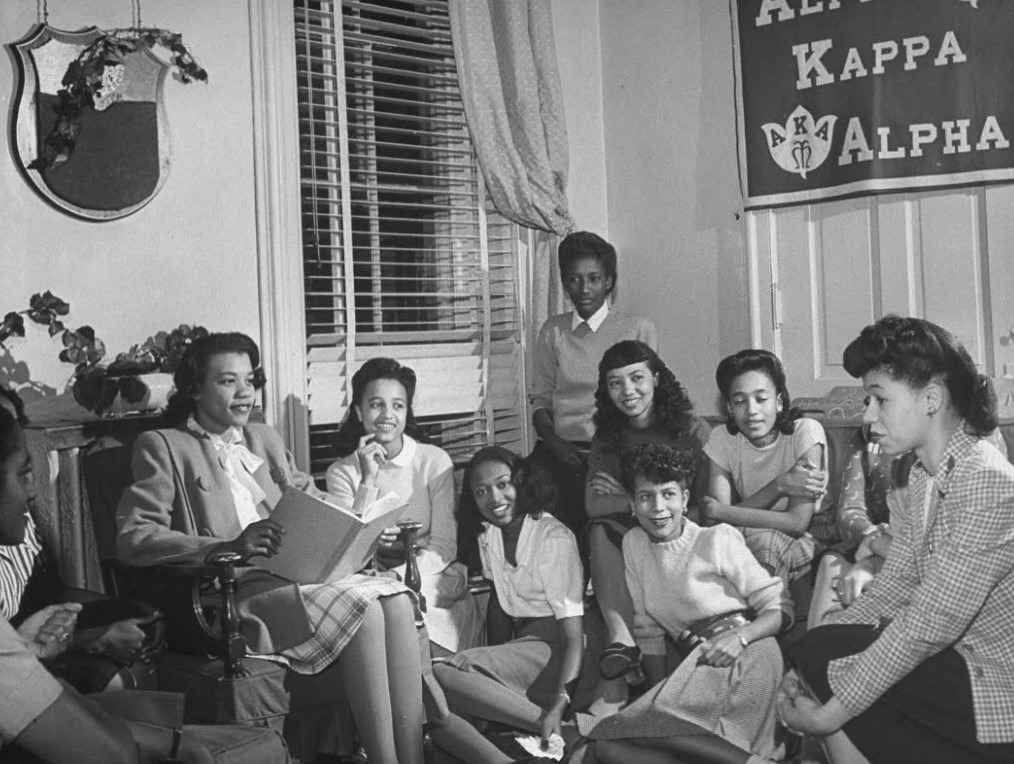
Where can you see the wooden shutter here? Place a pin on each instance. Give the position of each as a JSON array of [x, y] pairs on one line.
[[401, 256]]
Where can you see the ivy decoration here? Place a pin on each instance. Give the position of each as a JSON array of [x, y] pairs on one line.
[[93, 80], [45, 309]]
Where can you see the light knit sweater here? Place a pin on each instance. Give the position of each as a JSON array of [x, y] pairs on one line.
[[703, 573], [566, 367], [423, 477]]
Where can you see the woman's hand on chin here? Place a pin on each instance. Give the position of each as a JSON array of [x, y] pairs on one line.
[[371, 455]]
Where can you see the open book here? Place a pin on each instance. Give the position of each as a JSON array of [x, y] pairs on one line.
[[323, 542]]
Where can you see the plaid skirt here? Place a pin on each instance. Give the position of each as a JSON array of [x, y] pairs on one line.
[[789, 558], [736, 703], [336, 611]]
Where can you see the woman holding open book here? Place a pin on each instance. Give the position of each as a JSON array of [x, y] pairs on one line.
[[381, 454], [208, 484]]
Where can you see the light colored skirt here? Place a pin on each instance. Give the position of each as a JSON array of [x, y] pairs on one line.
[[736, 703], [529, 665]]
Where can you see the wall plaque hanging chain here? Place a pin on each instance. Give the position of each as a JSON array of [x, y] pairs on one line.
[[89, 126]]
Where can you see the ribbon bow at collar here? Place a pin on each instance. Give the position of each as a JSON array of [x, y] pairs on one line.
[[241, 462]]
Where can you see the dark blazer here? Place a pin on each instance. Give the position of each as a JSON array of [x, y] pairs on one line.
[[180, 507]]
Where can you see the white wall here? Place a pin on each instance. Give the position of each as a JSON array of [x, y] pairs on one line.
[[190, 255], [672, 187]]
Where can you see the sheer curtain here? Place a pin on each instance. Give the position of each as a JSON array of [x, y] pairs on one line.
[[510, 85]]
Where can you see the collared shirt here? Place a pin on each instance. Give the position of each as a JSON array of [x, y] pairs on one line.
[[565, 367], [239, 465], [594, 321], [16, 565], [547, 581], [948, 582]]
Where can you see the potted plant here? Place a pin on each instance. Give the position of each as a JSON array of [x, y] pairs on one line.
[[140, 379], [137, 380]]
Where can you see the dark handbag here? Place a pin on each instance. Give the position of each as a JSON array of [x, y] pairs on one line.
[[709, 628], [106, 612]]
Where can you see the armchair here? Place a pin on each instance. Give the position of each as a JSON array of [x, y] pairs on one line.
[[207, 659]]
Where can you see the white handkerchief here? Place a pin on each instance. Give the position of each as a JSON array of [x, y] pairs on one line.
[[533, 745]]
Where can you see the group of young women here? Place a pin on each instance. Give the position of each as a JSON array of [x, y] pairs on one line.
[[692, 538]]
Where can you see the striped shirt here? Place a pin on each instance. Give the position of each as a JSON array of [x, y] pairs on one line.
[[16, 564]]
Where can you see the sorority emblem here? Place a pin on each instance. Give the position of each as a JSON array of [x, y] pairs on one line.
[[802, 145], [120, 152]]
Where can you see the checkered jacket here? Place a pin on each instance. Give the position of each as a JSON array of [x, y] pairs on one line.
[[949, 581]]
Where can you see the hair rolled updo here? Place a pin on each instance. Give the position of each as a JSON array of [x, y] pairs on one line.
[[352, 428], [192, 371], [917, 351], [672, 408], [768, 364]]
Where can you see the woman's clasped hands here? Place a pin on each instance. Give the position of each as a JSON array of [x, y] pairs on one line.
[[49, 631], [800, 714], [722, 650]]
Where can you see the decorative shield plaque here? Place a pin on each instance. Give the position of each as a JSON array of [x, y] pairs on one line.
[[121, 158]]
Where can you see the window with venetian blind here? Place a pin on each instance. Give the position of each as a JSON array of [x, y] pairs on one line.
[[401, 256]]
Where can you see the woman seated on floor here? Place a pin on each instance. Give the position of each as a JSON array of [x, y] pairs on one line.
[[541, 668], [208, 484], [638, 400], [921, 667], [702, 588]]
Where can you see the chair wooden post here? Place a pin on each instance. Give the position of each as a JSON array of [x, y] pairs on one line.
[[233, 644]]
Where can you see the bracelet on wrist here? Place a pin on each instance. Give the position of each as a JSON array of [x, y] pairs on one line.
[[742, 640], [565, 695]]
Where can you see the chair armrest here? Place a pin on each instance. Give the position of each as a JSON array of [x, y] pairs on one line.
[[176, 589]]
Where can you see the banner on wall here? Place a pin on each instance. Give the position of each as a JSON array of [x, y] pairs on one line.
[[843, 97]]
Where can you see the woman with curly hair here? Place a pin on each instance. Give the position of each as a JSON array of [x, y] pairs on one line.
[[701, 588], [638, 401], [536, 673]]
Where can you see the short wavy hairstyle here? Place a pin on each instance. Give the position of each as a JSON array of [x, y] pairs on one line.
[[585, 244], [536, 495], [672, 406], [768, 364], [193, 370], [352, 428], [657, 463], [915, 351]]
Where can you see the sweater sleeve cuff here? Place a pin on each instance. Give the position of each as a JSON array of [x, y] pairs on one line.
[[365, 496]]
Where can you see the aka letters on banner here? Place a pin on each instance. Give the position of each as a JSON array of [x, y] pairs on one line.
[[842, 97]]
